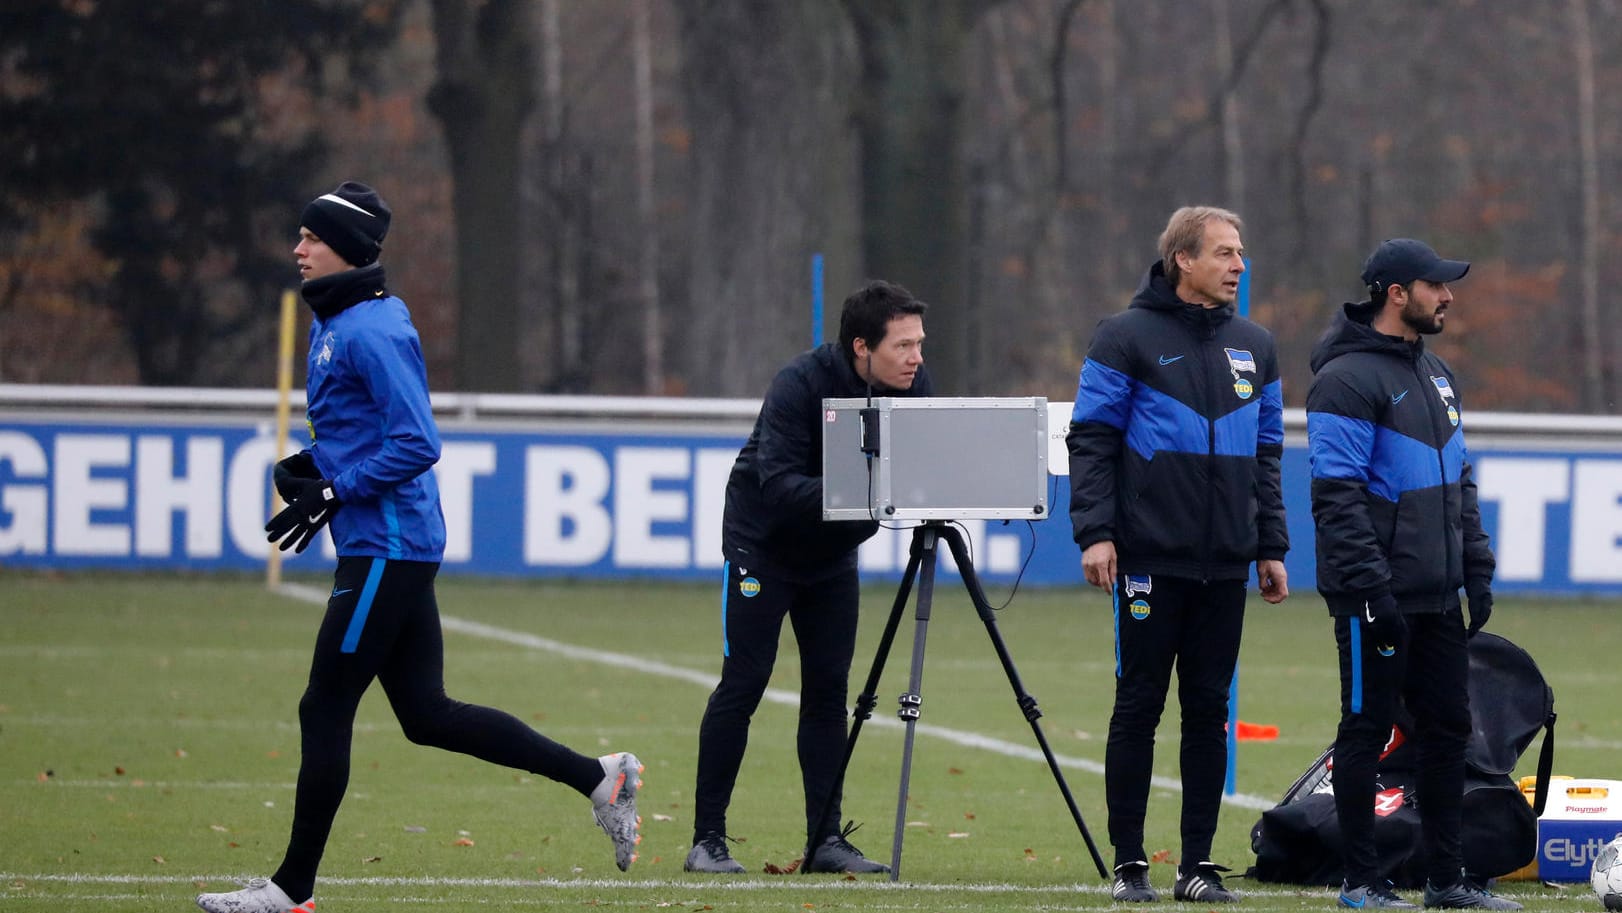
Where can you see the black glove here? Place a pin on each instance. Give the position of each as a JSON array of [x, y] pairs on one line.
[[294, 474], [1480, 609], [296, 525], [1383, 623]]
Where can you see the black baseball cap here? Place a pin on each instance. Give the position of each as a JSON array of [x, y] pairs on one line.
[[1400, 261]]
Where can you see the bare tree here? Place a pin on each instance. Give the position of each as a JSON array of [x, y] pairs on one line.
[[914, 199], [1588, 192], [483, 93], [770, 183], [653, 336]]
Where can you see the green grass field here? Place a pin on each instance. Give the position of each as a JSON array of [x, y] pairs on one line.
[[149, 743]]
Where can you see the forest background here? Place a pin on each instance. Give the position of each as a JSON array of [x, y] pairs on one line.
[[625, 196]]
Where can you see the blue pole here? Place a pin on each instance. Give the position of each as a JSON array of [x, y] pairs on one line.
[[816, 300], [1244, 291], [1231, 785]]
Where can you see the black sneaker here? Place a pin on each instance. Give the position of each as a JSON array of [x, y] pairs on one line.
[[1203, 885], [709, 854], [1463, 895], [1367, 895], [1132, 883], [835, 854]]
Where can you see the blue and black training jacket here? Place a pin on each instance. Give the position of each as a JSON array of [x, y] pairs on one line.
[[1176, 437], [371, 426], [1393, 497]]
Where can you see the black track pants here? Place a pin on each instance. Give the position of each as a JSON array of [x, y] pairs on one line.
[[1429, 672], [1195, 628], [382, 622], [823, 616]]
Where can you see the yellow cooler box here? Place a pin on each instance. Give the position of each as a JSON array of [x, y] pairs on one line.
[[1580, 817]]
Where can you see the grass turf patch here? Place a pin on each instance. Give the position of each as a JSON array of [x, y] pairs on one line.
[[149, 743]]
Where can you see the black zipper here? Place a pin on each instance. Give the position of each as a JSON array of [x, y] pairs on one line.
[[1206, 335], [1425, 386]]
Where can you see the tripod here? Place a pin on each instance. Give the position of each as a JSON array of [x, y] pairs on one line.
[[922, 556]]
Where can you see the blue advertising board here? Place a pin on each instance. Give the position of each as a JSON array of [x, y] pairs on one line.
[[193, 496]]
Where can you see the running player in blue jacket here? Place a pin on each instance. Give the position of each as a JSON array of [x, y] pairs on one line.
[[366, 477]]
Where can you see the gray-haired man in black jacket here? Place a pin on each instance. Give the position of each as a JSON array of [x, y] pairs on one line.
[[1174, 491]]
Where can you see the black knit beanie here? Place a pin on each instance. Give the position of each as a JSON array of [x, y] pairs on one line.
[[352, 220]]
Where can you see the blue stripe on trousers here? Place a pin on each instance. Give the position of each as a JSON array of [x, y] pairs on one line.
[[726, 591], [1357, 664], [357, 621], [1115, 614]]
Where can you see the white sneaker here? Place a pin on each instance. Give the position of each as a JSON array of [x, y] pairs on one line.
[[614, 803], [260, 896]]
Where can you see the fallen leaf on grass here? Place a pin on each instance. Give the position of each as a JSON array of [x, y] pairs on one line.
[[958, 834], [372, 859], [772, 868], [160, 860], [219, 828], [1161, 856], [659, 817], [462, 841]]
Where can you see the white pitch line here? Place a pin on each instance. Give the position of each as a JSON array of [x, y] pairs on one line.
[[775, 695], [731, 885]]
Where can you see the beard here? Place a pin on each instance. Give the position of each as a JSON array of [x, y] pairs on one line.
[[1425, 324]]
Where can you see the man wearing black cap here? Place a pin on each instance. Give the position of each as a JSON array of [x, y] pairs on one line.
[[1398, 534], [366, 477]]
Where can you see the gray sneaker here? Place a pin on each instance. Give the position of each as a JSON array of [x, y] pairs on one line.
[[1372, 896], [1463, 895], [617, 815], [836, 854], [261, 895], [1131, 883], [710, 854]]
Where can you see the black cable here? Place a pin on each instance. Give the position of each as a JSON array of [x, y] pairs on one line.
[[968, 542]]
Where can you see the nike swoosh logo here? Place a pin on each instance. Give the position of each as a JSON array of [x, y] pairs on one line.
[[1166, 361], [1397, 397], [1368, 613], [337, 593]]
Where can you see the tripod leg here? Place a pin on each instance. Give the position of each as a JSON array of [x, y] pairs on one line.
[[868, 699], [912, 700], [1027, 703]]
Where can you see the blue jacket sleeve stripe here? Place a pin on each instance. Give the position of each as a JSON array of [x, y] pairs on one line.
[[1453, 456], [1339, 447], [1271, 430], [1103, 394]]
